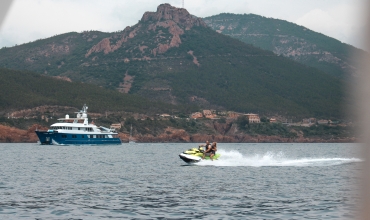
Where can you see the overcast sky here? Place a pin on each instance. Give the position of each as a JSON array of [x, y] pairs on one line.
[[29, 20]]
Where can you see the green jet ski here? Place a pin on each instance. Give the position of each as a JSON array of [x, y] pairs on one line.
[[194, 155]]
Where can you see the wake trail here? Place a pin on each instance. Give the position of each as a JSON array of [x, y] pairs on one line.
[[235, 158]]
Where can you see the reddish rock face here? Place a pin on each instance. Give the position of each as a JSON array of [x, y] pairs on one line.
[[15, 135], [176, 20], [103, 45], [178, 15], [169, 135]]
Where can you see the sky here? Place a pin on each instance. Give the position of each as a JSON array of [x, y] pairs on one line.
[[29, 20]]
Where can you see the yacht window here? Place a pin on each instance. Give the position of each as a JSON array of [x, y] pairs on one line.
[[83, 136], [64, 136], [74, 136], [78, 128]]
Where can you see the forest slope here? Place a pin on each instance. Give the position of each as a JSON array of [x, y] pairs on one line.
[[290, 40]]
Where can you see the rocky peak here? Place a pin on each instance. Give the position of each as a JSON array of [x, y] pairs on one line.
[[175, 20], [180, 16]]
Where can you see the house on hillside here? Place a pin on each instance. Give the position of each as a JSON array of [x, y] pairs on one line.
[[273, 120], [222, 113], [116, 126], [208, 114], [323, 122], [309, 120], [196, 115], [253, 118]]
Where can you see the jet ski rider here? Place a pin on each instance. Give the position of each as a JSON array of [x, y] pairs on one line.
[[206, 147], [210, 151]]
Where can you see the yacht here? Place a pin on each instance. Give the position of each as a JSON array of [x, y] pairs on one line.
[[77, 131]]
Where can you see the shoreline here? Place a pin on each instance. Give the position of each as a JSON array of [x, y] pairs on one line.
[[15, 135]]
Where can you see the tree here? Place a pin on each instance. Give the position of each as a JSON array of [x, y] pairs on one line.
[[242, 122]]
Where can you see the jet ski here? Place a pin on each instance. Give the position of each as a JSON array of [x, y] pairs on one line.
[[194, 155]]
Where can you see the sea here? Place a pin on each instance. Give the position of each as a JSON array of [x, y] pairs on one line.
[[150, 181]]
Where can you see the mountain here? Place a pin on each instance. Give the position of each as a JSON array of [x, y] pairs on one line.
[[172, 56], [290, 40]]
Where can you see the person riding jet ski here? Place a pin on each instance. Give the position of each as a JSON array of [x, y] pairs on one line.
[[210, 151], [204, 147], [195, 155]]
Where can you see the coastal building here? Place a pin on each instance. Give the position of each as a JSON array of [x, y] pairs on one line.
[[196, 115], [309, 120], [116, 126], [323, 122], [253, 118], [222, 113], [273, 120], [208, 114]]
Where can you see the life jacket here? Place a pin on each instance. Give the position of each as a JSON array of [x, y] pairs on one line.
[[208, 146]]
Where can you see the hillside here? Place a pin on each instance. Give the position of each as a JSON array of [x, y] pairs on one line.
[[172, 56], [290, 40], [23, 90]]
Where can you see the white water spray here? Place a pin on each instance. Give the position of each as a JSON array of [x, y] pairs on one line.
[[235, 158]]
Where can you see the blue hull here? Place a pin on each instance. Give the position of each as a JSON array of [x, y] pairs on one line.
[[55, 138]]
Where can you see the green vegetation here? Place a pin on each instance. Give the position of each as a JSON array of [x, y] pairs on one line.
[[157, 126], [22, 90], [328, 131], [246, 79], [24, 124], [278, 129], [264, 128], [283, 37]]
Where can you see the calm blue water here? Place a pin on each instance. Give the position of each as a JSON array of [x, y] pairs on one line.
[[149, 181]]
